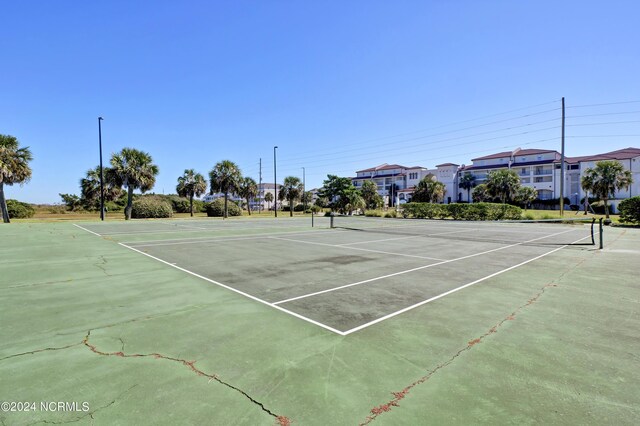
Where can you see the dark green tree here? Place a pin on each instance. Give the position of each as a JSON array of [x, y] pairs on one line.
[[503, 184], [132, 169], [429, 190], [467, 182], [14, 168], [191, 184], [225, 177], [248, 190], [290, 191], [604, 180]]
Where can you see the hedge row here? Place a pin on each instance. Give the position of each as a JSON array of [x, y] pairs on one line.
[[630, 210], [462, 211], [147, 207]]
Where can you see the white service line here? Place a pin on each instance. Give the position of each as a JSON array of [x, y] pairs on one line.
[[415, 269], [85, 229], [319, 324], [180, 241], [408, 308], [355, 248]]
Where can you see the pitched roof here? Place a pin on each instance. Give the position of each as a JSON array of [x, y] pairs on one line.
[[515, 153], [620, 154], [447, 164], [384, 166]]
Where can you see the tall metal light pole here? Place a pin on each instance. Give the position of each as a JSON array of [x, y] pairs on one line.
[[101, 174], [562, 165], [304, 188], [275, 185]]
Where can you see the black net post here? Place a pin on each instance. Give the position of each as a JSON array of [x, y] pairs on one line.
[[331, 221], [600, 233], [312, 214]]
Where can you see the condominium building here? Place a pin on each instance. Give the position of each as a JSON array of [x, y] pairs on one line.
[[396, 183], [539, 169]]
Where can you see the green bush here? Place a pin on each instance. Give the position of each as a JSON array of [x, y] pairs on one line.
[[112, 206], [630, 210], [316, 209], [147, 207], [462, 211], [216, 208], [298, 208], [373, 213], [391, 213], [20, 210]]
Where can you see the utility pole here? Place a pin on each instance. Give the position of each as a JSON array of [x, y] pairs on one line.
[[261, 191], [101, 173], [562, 165], [275, 185]]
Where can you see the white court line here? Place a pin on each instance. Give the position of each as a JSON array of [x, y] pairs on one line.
[[402, 238], [414, 269], [319, 324], [355, 248], [180, 241], [401, 311], [85, 229]]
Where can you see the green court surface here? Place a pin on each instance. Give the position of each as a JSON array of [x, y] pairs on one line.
[[264, 321]]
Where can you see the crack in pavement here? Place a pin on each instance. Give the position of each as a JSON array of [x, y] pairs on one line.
[[89, 414], [282, 420], [38, 284], [397, 396], [40, 350]]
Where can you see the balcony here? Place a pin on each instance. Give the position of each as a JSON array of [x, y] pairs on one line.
[[539, 172]]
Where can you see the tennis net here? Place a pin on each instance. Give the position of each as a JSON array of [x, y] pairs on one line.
[[570, 232]]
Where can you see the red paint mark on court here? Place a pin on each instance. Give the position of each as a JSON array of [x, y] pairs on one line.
[[397, 396]]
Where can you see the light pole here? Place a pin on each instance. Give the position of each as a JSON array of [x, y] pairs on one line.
[[275, 185], [101, 174], [304, 188]]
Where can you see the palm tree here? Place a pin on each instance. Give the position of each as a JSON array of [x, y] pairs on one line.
[[132, 169], [291, 191], [503, 184], [429, 190], [191, 184], [90, 189], [248, 190], [268, 197], [481, 194], [225, 177], [604, 180], [468, 181], [526, 195], [14, 168]]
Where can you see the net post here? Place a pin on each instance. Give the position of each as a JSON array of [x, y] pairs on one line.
[[601, 242], [593, 223], [312, 218], [331, 221]]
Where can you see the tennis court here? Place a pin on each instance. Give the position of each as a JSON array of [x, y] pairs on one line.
[[347, 273], [374, 321]]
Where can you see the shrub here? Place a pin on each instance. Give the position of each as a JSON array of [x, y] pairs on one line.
[[112, 206], [316, 209], [216, 208], [298, 208], [460, 211], [147, 207], [391, 213], [20, 210], [373, 213], [630, 210]]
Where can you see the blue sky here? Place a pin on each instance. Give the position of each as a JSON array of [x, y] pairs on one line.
[[338, 86]]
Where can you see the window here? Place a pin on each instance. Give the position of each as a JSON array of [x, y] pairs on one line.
[[413, 175]]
